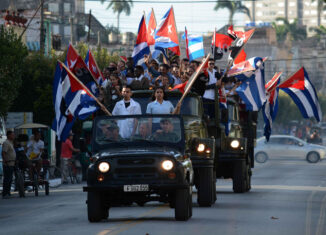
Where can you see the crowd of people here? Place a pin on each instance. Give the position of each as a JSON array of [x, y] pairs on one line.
[[165, 75]]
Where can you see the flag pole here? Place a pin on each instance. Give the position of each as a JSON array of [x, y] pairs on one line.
[[87, 90], [214, 46], [190, 83]]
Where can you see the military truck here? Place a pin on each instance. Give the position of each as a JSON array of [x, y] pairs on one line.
[[213, 153], [200, 146], [235, 151]]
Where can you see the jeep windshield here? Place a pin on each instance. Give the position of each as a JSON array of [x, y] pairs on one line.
[[138, 131]]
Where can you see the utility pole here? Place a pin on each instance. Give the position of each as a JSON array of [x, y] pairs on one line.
[[89, 25], [71, 20], [42, 38]]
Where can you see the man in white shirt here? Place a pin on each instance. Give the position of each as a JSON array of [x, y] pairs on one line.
[[35, 149], [209, 95], [127, 106]]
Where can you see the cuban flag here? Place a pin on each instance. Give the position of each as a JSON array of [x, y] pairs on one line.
[[194, 46], [166, 35], [64, 120], [303, 93], [222, 98], [252, 88], [78, 67], [93, 68], [141, 48], [270, 107], [151, 27]]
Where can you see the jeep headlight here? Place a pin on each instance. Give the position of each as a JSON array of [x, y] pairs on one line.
[[104, 167], [167, 165], [200, 148], [235, 144]]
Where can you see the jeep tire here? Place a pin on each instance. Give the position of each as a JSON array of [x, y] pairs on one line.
[[240, 177], [182, 210], [205, 195], [95, 208]]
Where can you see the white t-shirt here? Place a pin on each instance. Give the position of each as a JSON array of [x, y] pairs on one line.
[[35, 147], [126, 126], [210, 93]]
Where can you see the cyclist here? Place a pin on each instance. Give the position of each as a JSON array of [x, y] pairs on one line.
[[35, 149]]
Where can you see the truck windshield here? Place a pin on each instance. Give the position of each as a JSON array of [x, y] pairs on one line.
[[190, 105], [128, 130]]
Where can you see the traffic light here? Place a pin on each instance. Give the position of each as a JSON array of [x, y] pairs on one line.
[[14, 19]]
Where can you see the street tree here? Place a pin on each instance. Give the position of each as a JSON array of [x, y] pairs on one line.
[[119, 7], [320, 8], [320, 31], [293, 30], [233, 7], [13, 53]]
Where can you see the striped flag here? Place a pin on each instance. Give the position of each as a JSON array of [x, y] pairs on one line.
[[303, 93], [141, 48], [194, 46], [270, 107], [252, 88]]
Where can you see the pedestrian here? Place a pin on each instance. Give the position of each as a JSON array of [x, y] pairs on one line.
[[140, 82], [127, 106], [66, 156], [9, 159]]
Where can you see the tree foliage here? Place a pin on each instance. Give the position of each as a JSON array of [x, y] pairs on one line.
[[321, 30], [287, 29], [13, 53], [119, 7], [233, 7], [35, 93]]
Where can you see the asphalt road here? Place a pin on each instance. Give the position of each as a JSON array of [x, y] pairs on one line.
[[287, 197]]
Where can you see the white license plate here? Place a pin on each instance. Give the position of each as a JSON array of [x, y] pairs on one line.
[[136, 188]]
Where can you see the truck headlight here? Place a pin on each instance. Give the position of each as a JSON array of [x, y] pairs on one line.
[[235, 144], [201, 148], [104, 167], [167, 165]]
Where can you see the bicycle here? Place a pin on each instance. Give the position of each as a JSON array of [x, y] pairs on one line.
[[19, 181], [74, 171]]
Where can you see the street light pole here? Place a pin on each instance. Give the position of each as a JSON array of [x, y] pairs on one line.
[[42, 27]]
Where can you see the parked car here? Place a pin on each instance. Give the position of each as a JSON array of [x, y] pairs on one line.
[[287, 146]]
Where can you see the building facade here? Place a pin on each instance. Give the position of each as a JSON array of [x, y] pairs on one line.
[[266, 12]]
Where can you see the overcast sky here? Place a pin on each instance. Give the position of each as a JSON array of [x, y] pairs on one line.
[[199, 18]]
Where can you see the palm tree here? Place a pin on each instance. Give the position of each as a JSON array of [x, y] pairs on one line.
[[293, 30], [320, 8], [321, 30], [119, 6], [233, 7]]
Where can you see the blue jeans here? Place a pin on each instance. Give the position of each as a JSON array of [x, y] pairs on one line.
[[7, 179]]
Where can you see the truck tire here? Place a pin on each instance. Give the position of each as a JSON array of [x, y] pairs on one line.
[[205, 196], [182, 204], [240, 177], [95, 208]]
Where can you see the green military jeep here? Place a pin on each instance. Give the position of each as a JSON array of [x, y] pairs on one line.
[[199, 145]]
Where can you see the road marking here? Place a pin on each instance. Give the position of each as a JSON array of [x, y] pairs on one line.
[[308, 212], [321, 219], [282, 187], [131, 223]]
